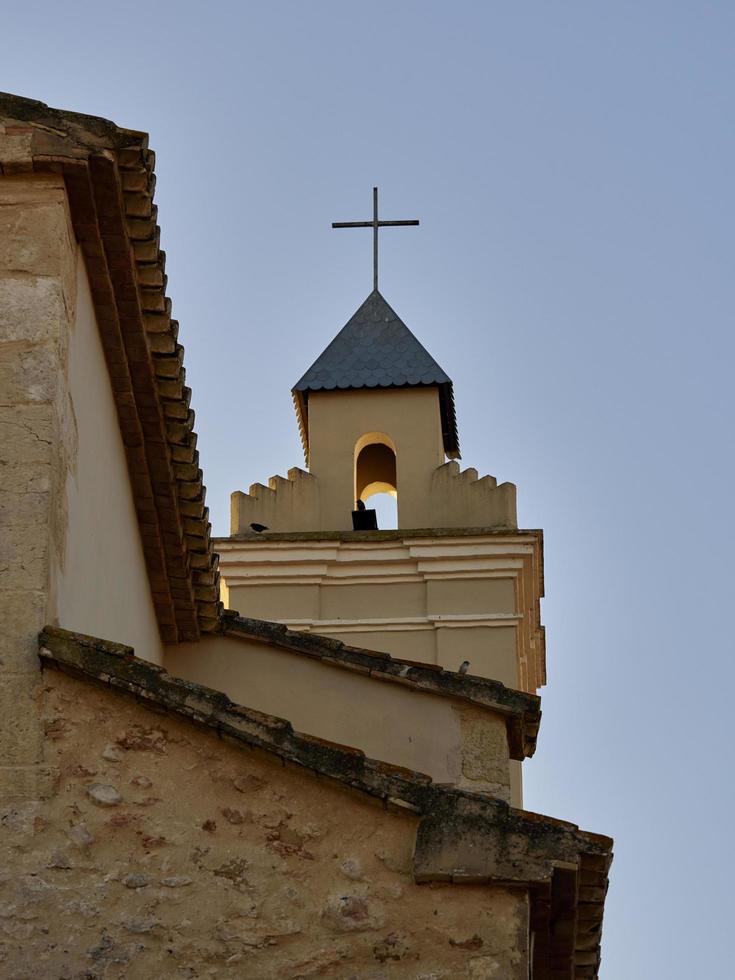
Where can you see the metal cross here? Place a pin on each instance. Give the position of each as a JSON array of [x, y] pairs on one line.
[[374, 224]]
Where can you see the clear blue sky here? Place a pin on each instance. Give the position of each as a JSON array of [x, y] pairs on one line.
[[572, 167]]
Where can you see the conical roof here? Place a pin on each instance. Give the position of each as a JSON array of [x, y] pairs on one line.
[[375, 349]]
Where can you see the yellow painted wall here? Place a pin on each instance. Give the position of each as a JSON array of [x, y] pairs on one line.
[[365, 600], [431, 493], [409, 417], [379, 598]]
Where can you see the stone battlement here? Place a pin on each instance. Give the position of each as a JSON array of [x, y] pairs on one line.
[[284, 505], [456, 498]]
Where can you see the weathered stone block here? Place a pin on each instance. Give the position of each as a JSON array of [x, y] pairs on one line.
[[15, 149], [25, 477], [22, 614], [26, 433], [473, 849], [28, 374], [24, 557], [36, 239], [485, 756], [21, 740], [23, 508], [31, 189], [32, 308], [105, 795], [20, 783]]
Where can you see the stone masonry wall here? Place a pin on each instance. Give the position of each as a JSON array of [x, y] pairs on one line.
[[168, 852], [37, 300]]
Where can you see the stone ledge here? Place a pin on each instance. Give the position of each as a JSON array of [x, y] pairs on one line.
[[522, 710], [388, 535]]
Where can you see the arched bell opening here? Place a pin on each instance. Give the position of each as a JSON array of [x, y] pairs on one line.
[[375, 477], [375, 471]]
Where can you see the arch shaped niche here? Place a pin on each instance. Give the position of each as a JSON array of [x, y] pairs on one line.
[[375, 466]]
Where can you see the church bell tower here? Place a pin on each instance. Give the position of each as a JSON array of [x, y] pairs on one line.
[[456, 580], [376, 414]]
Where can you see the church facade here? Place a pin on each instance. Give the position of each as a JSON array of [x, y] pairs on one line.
[[291, 752]]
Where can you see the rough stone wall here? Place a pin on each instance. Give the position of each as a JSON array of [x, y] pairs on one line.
[[167, 852], [37, 299]]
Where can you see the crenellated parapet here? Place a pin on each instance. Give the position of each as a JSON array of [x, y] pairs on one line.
[[458, 498], [449, 498], [284, 505]]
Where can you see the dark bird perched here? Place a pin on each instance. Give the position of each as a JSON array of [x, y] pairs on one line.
[[258, 527], [464, 667], [360, 505]]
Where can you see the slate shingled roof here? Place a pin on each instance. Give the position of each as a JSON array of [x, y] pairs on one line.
[[375, 349]]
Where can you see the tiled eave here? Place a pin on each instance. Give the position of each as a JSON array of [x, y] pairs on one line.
[[461, 838], [110, 181]]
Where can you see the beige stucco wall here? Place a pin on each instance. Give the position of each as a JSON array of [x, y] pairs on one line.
[[283, 504], [218, 861], [408, 417], [435, 735], [430, 492], [101, 583], [438, 599], [491, 652]]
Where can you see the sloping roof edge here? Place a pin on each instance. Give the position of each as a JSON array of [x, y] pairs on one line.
[[110, 181], [461, 838], [522, 710]]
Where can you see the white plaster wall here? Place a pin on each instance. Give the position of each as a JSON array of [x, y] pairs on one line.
[[101, 583]]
